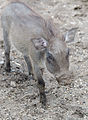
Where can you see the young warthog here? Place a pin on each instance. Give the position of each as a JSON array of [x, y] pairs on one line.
[[37, 40]]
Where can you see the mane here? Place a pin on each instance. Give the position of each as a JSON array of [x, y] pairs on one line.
[[17, 1], [51, 27]]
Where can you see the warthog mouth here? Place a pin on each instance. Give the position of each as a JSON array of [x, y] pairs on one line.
[[64, 78]]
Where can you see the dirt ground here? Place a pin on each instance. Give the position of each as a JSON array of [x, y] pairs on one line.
[[19, 96]]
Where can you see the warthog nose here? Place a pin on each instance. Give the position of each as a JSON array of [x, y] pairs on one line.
[[65, 78]]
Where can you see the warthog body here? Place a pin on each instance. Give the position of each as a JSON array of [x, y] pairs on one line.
[[37, 40]]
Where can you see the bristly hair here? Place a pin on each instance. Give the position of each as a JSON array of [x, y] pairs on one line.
[[51, 27]]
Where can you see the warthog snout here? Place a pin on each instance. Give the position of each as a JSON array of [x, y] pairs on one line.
[[65, 78]]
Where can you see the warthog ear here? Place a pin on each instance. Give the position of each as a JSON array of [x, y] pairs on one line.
[[40, 43], [70, 35]]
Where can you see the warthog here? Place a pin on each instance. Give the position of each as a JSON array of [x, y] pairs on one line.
[[38, 41]]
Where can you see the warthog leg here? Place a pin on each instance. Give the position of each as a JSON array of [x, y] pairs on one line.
[[28, 62], [7, 51], [41, 84]]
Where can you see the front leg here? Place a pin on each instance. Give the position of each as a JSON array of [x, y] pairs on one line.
[[41, 84], [29, 66]]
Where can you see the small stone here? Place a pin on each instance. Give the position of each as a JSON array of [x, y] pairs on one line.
[[77, 7], [1, 62], [13, 84]]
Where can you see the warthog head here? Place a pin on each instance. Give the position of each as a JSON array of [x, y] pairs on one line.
[[57, 58]]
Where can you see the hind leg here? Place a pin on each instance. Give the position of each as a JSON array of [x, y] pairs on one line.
[[7, 51]]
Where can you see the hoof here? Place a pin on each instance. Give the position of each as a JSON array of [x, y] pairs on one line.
[[43, 99], [8, 69]]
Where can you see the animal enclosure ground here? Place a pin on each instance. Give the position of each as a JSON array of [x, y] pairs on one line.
[[19, 96]]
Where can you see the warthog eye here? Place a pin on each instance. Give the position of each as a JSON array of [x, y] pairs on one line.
[[51, 63], [50, 58]]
